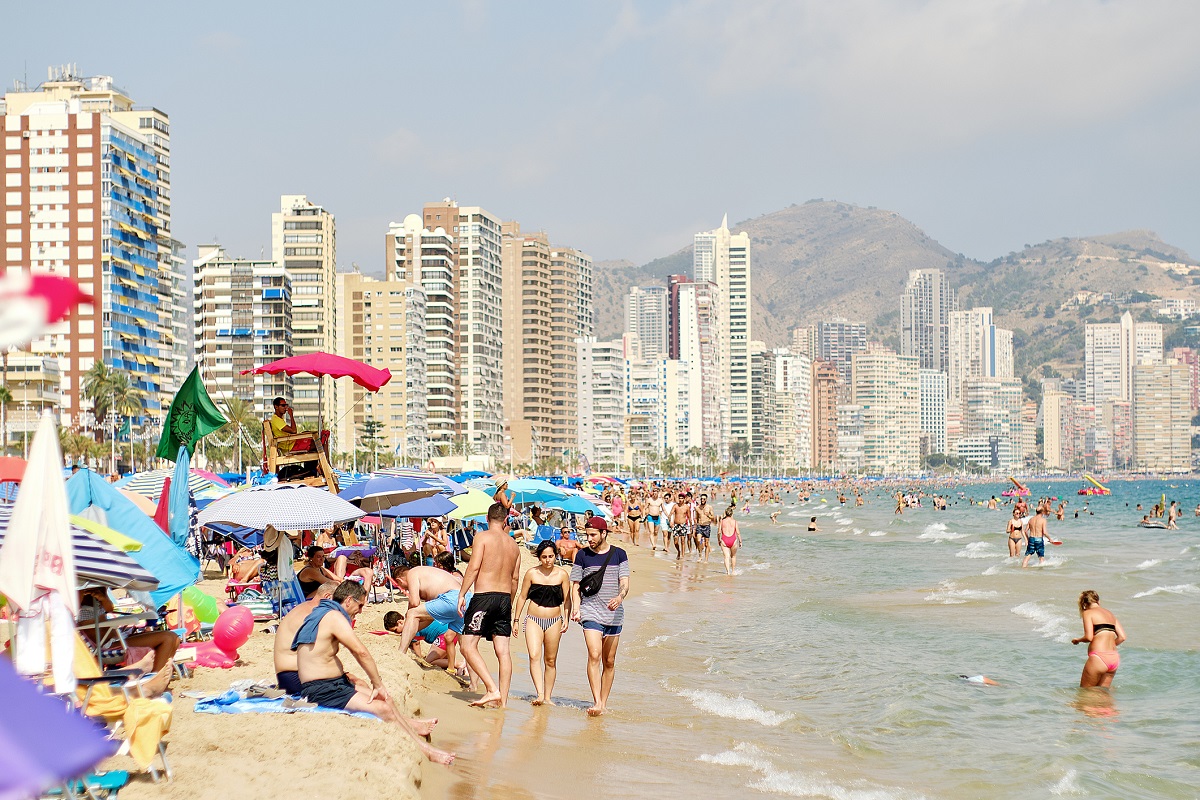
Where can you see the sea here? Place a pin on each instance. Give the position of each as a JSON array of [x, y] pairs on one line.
[[828, 665]]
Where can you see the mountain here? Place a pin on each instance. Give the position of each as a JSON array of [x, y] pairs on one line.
[[827, 258]]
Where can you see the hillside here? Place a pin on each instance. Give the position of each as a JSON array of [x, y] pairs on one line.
[[826, 258]]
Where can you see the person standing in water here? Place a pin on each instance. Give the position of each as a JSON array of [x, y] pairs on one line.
[[1103, 633], [730, 537], [1016, 532], [546, 589], [597, 605]]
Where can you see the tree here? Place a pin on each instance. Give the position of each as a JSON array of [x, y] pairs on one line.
[[243, 423], [5, 398], [371, 438], [97, 382], [739, 450]]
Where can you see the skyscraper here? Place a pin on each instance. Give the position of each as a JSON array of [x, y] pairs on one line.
[[528, 365], [723, 258], [933, 411], [1110, 353], [793, 393], [976, 349], [571, 318], [601, 402], [888, 388], [837, 341], [428, 258], [646, 318], [925, 309], [1162, 436], [304, 242], [87, 181], [694, 340], [825, 389]]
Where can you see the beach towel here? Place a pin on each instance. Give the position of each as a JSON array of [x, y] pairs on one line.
[[232, 702], [308, 631]]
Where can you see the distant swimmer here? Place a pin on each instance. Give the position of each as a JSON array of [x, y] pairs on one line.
[[774, 517], [982, 680], [1152, 523], [812, 525], [1103, 633]]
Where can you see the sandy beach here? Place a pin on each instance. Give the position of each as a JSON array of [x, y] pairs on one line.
[[219, 756]]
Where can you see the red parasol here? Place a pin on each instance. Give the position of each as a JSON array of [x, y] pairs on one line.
[[319, 364], [12, 469]]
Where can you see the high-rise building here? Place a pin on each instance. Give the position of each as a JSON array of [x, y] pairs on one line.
[[528, 408], [87, 183], [826, 380], [976, 349], [646, 318], [1118, 419], [1191, 359], [888, 388], [804, 340], [851, 438], [764, 420], [933, 411], [243, 313], [304, 242], [723, 258], [793, 392], [1162, 435], [694, 339], [658, 409], [382, 323], [925, 309], [571, 318], [1112, 350], [428, 258], [837, 341], [993, 409], [601, 402], [1056, 408]]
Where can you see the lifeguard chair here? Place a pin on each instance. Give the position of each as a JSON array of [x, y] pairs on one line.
[[273, 458]]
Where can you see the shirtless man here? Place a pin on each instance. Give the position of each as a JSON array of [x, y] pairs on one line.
[[566, 546], [432, 597], [706, 517], [668, 520], [323, 679], [494, 572], [654, 512], [681, 525], [1035, 534], [286, 676]]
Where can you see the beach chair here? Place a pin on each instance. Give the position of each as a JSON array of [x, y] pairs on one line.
[[284, 595], [542, 533], [274, 458]]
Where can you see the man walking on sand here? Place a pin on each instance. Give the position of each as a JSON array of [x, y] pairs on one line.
[[597, 607], [706, 515], [325, 682], [681, 524], [494, 572]]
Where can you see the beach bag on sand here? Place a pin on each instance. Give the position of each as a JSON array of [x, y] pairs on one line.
[[591, 584]]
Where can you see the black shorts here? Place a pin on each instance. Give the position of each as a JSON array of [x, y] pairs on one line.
[[704, 530], [288, 681], [328, 692], [489, 615]]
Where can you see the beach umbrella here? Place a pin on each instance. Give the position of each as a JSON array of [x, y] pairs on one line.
[[471, 504], [286, 506], [449, 486], [463, 477], [99, 562], [439, 505], [214, 477], [384, 491], [12, 469], [150, 483], [534, 490], [31, 303], [143, 503], [574, 503], [179, 499], [95, 499], [42, 743]]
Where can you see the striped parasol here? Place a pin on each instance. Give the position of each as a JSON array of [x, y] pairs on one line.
[[286, 506], [150, 484], [97, 563]]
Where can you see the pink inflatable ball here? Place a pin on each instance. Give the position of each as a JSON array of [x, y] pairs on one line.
[[209, 655], [232, 629]]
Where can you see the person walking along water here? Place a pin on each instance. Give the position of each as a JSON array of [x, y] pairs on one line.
[[599, 586], [546, 588]]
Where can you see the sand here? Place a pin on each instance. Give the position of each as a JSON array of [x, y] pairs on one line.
[[270, 755]]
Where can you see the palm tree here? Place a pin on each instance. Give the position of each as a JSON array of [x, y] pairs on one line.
[[244, 423], [97, 382]]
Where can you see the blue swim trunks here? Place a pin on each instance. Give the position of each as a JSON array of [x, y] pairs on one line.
[[432, 631], [653, 520], [1036, 546], [444, 609]]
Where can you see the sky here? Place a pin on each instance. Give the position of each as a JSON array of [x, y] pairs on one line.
[[622, 128]]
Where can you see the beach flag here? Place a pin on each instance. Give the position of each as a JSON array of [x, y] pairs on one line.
[[191, 417]]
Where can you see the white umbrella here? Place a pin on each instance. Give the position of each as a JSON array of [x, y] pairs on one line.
[[287, 506], [37, 562]]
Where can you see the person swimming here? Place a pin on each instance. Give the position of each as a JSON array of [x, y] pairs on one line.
[[982, 680]]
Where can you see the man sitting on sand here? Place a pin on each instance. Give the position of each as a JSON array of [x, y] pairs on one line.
[[325, 682], [286, 676], [494, 572], [432, 597]]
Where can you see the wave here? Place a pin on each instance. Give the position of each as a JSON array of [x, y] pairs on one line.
[[877, 533], [1050, 625], [977, 550], [938, 533], [1148, 563], [1068, 784], [1179, 588], [949, 593], [657, 640], [774, 780], [760, 565], [739, 707]]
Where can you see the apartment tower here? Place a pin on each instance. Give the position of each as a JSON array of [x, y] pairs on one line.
[[528, 402]]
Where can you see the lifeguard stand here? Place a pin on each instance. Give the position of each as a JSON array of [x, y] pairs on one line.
[[274, 458]]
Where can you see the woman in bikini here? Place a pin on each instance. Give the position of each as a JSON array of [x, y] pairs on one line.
[[1016, 532], [546, 587], [730, 537], [634, 515], [1103, 632]]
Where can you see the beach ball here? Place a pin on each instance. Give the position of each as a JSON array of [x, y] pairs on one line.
[[203, 606], [233, 628]]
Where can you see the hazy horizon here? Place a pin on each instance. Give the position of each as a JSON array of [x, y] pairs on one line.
[[624, 128]]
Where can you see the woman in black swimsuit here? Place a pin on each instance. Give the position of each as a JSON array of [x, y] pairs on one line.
[[545, 588]]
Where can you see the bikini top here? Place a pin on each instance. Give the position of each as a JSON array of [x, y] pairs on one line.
[[545, 595], [1103, 626]]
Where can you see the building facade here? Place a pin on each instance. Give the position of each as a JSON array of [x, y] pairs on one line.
[[934, 390], [1162, 435], [826, 383], [601, 402], [925, 309], [646, 318], [1112, 350], [888, 388]]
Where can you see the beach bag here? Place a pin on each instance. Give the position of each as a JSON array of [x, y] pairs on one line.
[[591, 584]]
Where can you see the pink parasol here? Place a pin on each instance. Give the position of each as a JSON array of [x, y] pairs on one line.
[[319, 364]]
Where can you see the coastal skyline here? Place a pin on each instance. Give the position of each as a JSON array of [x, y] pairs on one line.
[[877, 103]]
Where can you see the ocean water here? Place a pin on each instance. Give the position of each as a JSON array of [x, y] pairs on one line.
[[827, 666]]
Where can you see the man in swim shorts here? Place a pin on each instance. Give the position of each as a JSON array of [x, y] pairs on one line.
[[432, 597], [286, 676], [654, 511], [681, 525], [1035, 533], [706, 515]]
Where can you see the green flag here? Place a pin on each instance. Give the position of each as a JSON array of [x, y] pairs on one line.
[[126, 431], [191, 417]]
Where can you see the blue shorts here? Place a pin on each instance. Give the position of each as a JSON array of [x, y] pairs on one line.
[[444, 609], [1036, 546], [432, 631], [607, 630], [653, 520]]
